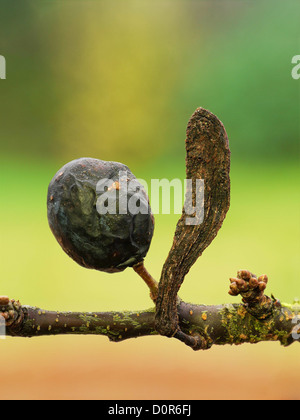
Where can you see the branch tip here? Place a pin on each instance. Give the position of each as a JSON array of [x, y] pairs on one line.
[[252, 290]]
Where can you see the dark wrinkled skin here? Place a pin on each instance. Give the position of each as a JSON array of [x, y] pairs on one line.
[[107, 242]]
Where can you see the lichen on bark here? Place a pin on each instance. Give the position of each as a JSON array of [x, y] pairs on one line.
[[218, 324]]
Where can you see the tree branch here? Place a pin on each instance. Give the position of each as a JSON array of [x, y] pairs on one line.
[[220, 325], [207, 159]]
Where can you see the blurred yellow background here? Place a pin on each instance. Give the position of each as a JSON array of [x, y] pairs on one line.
[[118, 81]]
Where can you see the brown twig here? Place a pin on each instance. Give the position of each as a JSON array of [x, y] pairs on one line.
[[208, 159]]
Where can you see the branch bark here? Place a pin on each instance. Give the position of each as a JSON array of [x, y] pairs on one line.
[[207, 159], [220, 324]]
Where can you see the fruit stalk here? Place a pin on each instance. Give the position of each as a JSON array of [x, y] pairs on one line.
[[141, 270]]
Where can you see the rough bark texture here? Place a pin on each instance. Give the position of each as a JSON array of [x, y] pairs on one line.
[[221, 324], [208, 158]]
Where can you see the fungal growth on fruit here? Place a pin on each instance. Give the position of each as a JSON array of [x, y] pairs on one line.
[[89, 215]]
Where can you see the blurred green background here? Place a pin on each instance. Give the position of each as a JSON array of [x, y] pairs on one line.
[[118, 81]]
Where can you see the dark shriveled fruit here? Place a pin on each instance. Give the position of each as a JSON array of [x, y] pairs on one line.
[[106, 242]]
